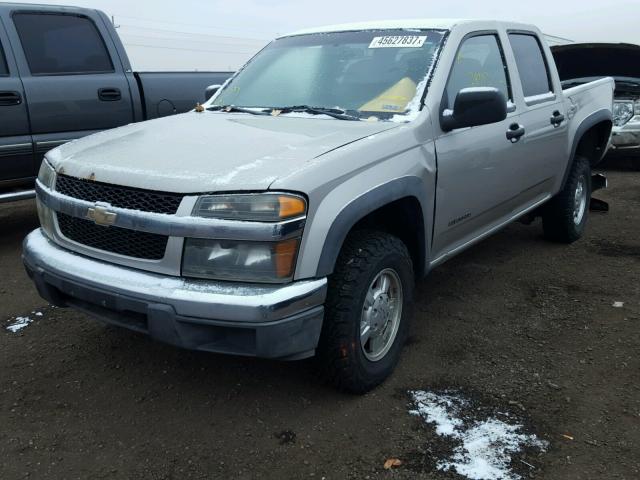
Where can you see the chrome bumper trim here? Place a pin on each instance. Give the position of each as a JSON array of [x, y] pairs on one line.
[[222, 301], [15, 196], [172, 225]]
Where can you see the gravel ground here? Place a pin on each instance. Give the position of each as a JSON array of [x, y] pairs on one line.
[[515, 324]]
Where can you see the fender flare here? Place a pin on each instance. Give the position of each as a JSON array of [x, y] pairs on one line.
[[363, 205], [589, 122]]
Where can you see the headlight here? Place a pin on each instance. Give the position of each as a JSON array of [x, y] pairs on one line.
[[260, 207], [622, 113], [268, 262], [46, 175]]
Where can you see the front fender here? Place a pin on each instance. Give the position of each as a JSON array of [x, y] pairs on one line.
[[365, 204]]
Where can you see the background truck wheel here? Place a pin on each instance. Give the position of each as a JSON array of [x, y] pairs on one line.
[[564, 218], [368, 310]]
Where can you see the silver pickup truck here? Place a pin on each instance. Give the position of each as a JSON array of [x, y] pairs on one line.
[[290, 215]]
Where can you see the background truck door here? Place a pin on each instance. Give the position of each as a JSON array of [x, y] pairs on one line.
[[475, 189], [16, 149], [71, 73]]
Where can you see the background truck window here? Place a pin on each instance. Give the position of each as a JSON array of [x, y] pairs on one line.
[[479, 63], [4, 70], [62, 44], [532, 67]]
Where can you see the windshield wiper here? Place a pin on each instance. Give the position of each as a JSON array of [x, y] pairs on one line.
[[338, 113], [234, 109]]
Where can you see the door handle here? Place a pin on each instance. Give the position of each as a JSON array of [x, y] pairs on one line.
[[10, 98], [109, 94], [557, 118], [515, 132]]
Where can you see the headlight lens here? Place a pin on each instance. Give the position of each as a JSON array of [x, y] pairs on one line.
[[46, 175], [263, 207], [622, 113], [263, 262]]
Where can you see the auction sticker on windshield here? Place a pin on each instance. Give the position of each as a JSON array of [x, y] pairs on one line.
[[398, 41]]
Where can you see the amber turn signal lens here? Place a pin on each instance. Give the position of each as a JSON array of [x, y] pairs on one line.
[[291, 206], [285, 257]]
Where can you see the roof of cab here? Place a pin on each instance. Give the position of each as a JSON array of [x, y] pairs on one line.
[[409, 24]]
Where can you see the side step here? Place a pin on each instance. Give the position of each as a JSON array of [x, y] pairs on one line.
[[15, 196]]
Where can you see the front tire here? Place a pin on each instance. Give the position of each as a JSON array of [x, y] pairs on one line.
[[368, 310], [564, 218]]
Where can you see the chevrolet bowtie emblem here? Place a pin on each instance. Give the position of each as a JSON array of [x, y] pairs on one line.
[[101, 215]]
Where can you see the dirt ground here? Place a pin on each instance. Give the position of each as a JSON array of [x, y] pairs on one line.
[[515, 323]]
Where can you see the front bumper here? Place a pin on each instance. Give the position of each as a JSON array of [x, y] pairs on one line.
[[626, 139], [282, 321]]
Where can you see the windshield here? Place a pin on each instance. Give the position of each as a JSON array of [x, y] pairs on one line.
[[379, 74]]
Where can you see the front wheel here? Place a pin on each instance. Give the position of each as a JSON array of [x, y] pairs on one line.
[[564, 218], [368, 310]]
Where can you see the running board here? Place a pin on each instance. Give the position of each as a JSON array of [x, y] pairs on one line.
[[15, 196]]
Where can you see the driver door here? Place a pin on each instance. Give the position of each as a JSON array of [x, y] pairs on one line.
[[475, 191]]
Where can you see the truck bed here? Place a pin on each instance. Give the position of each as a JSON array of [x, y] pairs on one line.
[[593, 98]]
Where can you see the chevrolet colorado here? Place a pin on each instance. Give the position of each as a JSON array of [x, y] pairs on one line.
[[64, 74], [290, 216]]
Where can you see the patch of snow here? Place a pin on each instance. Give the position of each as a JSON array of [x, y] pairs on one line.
[[485, 448], [409, 25], [19, 323], [618, 304]]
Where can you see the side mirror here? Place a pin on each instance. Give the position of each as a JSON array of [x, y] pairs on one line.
[[211, 91], [474, 107]]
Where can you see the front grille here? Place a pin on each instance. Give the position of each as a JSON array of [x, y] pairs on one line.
[[119, 196], [122, 241]]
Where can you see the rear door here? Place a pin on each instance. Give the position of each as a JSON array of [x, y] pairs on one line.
[[16, 152], [71, 74], [544, 117]]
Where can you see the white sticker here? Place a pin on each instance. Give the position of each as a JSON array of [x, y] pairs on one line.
[[398, 41]]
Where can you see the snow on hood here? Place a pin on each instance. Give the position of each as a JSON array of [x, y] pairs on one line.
[[206, 152]]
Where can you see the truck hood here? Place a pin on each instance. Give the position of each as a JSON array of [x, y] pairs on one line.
[[592, 60], [207, 152]]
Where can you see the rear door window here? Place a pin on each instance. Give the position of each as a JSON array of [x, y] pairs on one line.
[[532, 66], [57, 44], [4, 70], [479, 63]]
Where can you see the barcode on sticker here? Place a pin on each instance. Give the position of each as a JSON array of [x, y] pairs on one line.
[[398, 41]]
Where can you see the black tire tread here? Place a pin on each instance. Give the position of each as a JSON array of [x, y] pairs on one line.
[[557, 217], [336, 365]]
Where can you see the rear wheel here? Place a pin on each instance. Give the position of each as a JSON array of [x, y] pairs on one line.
[[368, 310], [564, 218]]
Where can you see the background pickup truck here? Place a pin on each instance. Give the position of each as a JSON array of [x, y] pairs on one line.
[[65, 74], [348, 161]]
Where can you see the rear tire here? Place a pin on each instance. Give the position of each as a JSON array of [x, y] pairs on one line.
[[564, 218], [368, 310]]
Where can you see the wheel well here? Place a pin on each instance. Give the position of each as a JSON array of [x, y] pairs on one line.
[[404, 219], [594, 142]]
